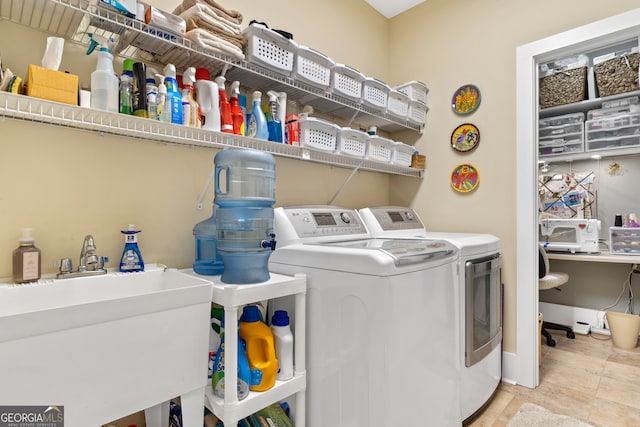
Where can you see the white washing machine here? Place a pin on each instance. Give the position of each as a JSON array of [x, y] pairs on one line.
[[480, 294], [381, 321]]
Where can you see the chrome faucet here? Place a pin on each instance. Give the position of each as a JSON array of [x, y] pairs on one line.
[[91, 264]]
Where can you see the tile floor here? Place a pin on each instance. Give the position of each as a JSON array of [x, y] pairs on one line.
[[586, 378]]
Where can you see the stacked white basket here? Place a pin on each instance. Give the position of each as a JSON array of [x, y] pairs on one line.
[[352, 142], [379, 149], [398, 104], [347, 82], [313, 67], [402, 154], [318, 134], [268, 48], [375, 94], [417, 93]]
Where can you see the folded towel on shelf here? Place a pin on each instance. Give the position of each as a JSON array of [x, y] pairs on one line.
[[202, 16], [231, 16], [195, 23], [205, 39]]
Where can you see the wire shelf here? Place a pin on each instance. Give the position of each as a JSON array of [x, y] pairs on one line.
[[74, 19], [20, 107]]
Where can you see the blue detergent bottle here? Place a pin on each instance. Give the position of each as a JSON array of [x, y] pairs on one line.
[[131, 259], [257, 120], [174, 98], [246, 376]]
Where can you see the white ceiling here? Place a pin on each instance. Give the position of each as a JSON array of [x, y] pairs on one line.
[[391, 8]]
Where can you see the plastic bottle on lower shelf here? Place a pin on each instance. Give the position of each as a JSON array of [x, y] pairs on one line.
[[284, 344], [261, 351]]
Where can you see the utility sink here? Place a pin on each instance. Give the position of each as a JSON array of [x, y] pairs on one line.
[[107, 346]]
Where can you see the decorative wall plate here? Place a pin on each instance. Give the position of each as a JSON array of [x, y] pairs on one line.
[[465, 178], [466, 99], [465, 137]]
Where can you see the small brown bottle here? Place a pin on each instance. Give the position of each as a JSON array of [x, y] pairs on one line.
[[26, 259]]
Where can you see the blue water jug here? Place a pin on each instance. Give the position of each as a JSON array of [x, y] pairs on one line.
[[244, 178], [207, 258]]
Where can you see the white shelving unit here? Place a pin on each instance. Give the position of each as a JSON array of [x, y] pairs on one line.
[[74, 19], [230, 410]]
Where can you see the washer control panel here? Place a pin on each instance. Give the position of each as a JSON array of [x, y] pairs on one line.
[[319, 221]]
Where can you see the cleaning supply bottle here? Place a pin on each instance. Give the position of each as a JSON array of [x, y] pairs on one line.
[[208, 97], [274, 126], [237, 116], [257, 121], [226, 122], [190, 108], [261, 351], [173, 94], [126, 94], [164, 105], [246, 376], [140, 90], [151, 90], [131, 259], [105, 86], [27, 262], [284, 344]]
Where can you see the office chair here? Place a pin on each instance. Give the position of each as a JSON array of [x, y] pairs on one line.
[[551, 280]]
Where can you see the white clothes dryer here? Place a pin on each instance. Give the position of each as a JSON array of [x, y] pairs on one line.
[[381, 319], [480, 299]]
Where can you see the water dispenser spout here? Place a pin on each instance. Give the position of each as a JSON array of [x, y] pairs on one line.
[[269, 244]]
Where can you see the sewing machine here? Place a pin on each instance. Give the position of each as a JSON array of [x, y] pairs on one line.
[[570, 235]]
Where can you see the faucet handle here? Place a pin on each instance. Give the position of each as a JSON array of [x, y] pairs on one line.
[[64, 265], [101, 261]]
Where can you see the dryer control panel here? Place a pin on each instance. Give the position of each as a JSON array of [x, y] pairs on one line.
[[312, 222], [391, 218]]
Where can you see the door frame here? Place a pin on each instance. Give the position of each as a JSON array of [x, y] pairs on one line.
[[599, 34]]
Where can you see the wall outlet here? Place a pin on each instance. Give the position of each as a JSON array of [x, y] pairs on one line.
[[601, 318]]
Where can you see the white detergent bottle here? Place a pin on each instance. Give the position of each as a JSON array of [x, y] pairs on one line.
[[257, 121], [283, 339], [105, 85], [164, 107], [208, 98], [190, 108]]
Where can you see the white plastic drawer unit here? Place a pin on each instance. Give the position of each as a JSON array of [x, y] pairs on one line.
[[624, 240], [561, 134], [613, 132]]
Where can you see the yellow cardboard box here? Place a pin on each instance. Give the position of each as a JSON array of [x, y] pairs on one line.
[[52, 85]]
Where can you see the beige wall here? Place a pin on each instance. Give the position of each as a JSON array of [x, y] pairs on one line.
[[449, 43], [67, 183]]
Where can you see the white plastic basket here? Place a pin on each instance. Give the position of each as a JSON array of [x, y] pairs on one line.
[[347, 82], [318, 134], [267, 48], [375, 93], [352, 142], [415, 90], [398, 104], [417, 112], [379, 149], [313, 67], [402, 154]]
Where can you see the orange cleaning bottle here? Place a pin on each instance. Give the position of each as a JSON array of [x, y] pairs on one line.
[[261, 350]]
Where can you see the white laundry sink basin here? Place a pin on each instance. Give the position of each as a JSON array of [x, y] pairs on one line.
[[105, 346]]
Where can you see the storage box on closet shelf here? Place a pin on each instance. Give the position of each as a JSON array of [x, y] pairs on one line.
[[347, 82], [352, 142], [401, 154], [269, 49], [375, 94], [318, 134], [415, 90], [398, 104], [313, 67], [379, 149], [617, 72], [417, 112]]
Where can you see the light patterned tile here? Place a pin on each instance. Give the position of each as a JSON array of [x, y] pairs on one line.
[[622, 372], [626, 392], [625, 357], [491, 413], [604, 413]]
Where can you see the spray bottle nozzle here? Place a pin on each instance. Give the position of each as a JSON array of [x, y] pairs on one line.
[[97, 40]]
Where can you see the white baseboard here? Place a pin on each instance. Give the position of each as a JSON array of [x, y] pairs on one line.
[[567, 315]]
